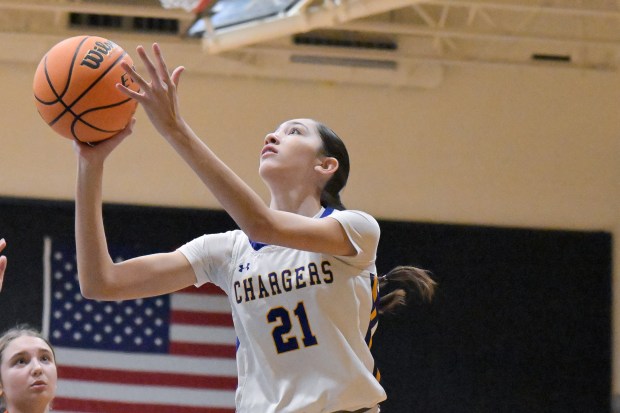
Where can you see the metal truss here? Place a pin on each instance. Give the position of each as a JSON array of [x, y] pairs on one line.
[[345, 40]]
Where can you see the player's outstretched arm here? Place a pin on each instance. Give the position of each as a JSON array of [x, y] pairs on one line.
[[99, 277], [159, 99]]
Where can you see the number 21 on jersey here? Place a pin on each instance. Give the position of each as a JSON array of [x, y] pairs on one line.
[[283, 316]]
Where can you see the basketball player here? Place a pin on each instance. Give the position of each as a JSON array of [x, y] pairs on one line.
[[2, 262], [28, 372], [300, 273]]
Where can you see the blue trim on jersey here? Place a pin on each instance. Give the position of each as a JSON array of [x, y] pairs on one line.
[[374, 319], [258, 245], [374, 310]]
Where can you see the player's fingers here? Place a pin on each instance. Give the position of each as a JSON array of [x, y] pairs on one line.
[[176, 75], [135, 75], [161, 64], [2, 268], [131, 93], [2, 244], [148, 64]]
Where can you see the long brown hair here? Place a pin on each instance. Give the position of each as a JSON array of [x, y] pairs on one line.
[[403, 284]]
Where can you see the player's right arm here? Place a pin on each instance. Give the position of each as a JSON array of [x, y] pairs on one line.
[[99, 276]]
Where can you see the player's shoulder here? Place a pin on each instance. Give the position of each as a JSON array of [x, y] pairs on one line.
[[356, 217], [353, 214]]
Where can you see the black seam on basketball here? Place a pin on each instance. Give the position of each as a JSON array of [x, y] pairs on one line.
[[67, 83], [51, 86], [78, 118], [68, 108]]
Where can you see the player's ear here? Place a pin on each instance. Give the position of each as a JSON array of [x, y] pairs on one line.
[[327, 166]]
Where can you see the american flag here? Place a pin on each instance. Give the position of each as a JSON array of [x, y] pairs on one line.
[[172, 353]]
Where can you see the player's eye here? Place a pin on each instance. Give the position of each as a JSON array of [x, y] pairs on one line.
[[294, 131]]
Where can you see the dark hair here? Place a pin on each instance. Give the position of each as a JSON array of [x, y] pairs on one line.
[[400, 284], [11, 334], [334, 146]]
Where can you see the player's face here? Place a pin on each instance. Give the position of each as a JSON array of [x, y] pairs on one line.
[[28, 372], [293, 148]]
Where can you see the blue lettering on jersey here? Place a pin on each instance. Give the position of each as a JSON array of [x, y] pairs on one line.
[[260, 286]]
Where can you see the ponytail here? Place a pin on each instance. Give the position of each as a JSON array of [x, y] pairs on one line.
[[334, 147], [401, 283]]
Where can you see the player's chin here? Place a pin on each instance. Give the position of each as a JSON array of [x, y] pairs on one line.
[[268, 168]]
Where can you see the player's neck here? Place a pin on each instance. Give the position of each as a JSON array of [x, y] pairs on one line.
[[28, 409], [306, 205]]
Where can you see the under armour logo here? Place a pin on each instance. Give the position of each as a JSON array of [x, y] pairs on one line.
[[243, 267]]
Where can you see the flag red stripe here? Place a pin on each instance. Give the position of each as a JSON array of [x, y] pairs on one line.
[[203, 289], [98, 406], [206, 350], [200, 318], [146, 378]]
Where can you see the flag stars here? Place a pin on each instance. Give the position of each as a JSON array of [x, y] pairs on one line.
[[139, 325]]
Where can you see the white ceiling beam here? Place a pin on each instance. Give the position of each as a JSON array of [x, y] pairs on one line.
[[528, 6], [412, 30], [112, 9], [309, 19]]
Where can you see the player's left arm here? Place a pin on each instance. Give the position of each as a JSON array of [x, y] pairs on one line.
[[259, 222]]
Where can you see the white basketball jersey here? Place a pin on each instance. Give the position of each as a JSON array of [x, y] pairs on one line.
[[304, 320]]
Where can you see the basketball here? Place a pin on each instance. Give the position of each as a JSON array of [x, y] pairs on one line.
[[74, 88]]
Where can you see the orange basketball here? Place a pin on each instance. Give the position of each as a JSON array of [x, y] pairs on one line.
[[74, 88]]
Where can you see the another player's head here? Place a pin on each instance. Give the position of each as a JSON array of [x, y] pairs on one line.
[[306, 152], [28, 373]]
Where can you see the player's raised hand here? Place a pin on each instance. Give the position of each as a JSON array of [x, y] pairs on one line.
[[158, 96], [97, 153]]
